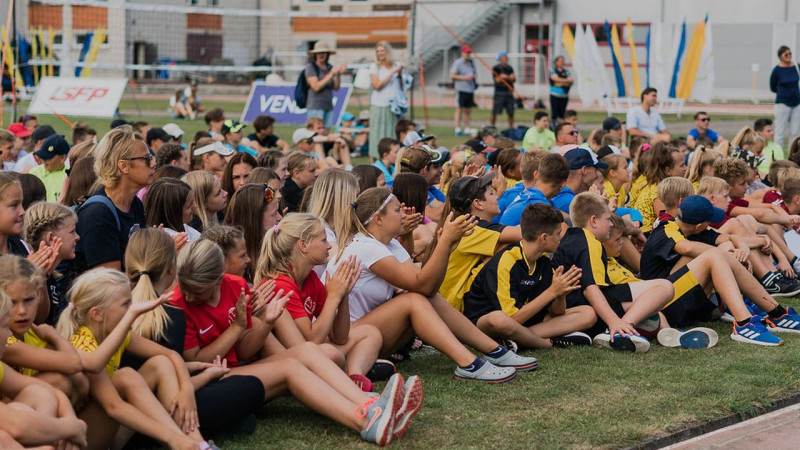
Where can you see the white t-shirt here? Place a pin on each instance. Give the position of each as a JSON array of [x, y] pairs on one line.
[[370, 290], [647, 123], [25, 163], [383, 96], [331, 237], [191, 233]]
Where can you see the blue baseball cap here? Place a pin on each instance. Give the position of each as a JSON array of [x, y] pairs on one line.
[[698, 209], [52, 146], [348, 116], [501, 54], [580, 157]]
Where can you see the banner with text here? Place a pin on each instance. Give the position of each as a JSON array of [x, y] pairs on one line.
[[278, 102], [94, 97]]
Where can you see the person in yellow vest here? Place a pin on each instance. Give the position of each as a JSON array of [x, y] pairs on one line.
[[53, 170]]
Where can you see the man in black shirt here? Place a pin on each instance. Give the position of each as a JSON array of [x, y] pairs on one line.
[[264, 138], [503, 96]]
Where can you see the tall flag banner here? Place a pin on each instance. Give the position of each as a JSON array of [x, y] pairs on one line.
[[637, 85], [597, 66], [617, 49], [692, 62], [579, 67], [568, 41], [704, 83], [647, 58], [677, 65], [619, 75]]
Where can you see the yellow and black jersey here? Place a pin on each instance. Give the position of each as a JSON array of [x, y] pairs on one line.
[[506, 283], [619, 274], [659, 255], [466, 261], [581, 249], [29, 338]]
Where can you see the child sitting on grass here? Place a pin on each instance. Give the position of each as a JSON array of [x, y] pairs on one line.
[[684, 251], [518, 295], [620, 307]]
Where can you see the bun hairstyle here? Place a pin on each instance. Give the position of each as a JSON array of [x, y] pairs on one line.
[[149, 256]]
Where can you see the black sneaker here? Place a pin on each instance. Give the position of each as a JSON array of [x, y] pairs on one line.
[[789, 287], [571, 340], [770, 283], [382, 370]]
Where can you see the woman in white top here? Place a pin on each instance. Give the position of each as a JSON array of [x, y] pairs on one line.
[[385, 79], [376, 220]]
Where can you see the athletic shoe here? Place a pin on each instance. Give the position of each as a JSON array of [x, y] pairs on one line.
[[458, 131], [381, 411], [509, 344], [790, 287], [727, 316], [769, 281], [632, 343], [754, 309], [571, 340], [381, 370], [789, 322], [693, 339], [411, 404], [796, 265], [753, 332], [488, 372], [511, 359], [362, 382]]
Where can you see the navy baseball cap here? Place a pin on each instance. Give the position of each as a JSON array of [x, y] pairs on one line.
[[612, 123], [52, 146], [580, 157], [698, 209]]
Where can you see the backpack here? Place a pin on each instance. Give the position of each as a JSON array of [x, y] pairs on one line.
[[100, 199], [301, 87]]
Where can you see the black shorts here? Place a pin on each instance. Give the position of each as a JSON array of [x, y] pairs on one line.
[[690, 303], [615, 295], [503, 101], [466, 100]]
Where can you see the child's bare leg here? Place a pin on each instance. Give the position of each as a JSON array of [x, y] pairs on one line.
[[103, 428], [750, 288], [461, 327], [6, 441], [648, 298], [500, 325], [38, 398], [361, 349], [574, 319], [714, 272], [411, 310], [288, 374]]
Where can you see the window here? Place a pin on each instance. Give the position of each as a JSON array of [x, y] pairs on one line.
[[640, 31]]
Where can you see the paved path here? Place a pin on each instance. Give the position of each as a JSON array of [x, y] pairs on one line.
[[774, 431]]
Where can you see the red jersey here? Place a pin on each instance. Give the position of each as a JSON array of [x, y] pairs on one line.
[[774, 197], [306, 301], [733, 204], [205, 323]]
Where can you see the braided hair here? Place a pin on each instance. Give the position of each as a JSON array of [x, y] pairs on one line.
[[43, 217]]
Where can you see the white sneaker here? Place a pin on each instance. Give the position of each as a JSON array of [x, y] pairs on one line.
[[632, 343]]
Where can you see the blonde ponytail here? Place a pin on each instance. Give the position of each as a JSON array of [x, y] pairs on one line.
[[278, 250], [149, 256]]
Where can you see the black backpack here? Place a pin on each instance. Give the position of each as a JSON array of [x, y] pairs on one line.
[[301, 87]]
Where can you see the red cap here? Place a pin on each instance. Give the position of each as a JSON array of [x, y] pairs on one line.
[[19, 130], [466, 48]]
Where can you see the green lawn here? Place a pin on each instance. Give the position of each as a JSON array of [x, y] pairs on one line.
[[579, 398]]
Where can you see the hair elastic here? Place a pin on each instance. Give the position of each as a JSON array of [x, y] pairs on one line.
[[275, 229], [645, 147], [380, 208], [143, 272], [354, 205]]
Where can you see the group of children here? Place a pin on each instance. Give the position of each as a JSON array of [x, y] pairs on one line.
[[169, 304]]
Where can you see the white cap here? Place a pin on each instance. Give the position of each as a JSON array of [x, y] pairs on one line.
[[302, 134], [217, 146], [173, 130]]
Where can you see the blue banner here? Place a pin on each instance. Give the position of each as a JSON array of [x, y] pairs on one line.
[[278, 102]]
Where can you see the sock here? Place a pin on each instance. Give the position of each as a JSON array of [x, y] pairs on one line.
[[768, 276], [498, 352], [777, 312], [474, 366], [742, 323]]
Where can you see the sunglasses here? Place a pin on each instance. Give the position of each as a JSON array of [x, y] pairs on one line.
[[148, 159], [705, 119], [269, 194], [573, 132]]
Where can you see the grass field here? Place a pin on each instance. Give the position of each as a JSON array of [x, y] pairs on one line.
[[579, 398]]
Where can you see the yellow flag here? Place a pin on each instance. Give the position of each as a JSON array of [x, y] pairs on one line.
[[94, 47], [692, 64], [637, 86], [8, 57], [568, 41], [617, 49], [35, 54]]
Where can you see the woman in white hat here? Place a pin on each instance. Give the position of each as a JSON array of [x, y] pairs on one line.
[[323, 79]]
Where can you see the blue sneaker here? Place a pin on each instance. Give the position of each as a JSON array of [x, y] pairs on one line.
[[380, 412], [754, 332], [754, 309], [693, 339], [633, 343], [789, 322]]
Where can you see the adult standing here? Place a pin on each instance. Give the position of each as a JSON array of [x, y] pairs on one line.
[[323, 79], [123, 165], [384, 76], [503, 96], [463, 73], [560, 82], [784, 83]]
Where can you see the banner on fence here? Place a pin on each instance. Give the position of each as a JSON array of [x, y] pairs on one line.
[[93, 97], [278, 101]]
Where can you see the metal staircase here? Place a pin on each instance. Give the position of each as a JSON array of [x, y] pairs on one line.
[[470, 25]]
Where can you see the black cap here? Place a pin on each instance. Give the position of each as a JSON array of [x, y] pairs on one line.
[[466, 189], [52, 146], [612, 123], [42, 132], [157, 133], [118, 123], [231, 126], [476, 144]]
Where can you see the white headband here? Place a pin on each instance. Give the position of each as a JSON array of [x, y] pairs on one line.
[[380, 208]]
